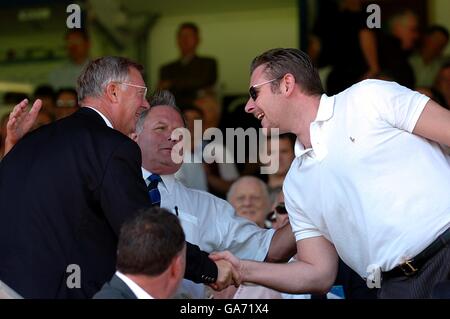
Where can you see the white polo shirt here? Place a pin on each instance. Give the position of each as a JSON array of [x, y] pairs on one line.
[[379, 193]]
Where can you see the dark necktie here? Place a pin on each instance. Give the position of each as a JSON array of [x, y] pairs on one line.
[[153, 192]]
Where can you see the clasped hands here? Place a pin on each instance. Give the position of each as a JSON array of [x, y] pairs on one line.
[[229, 270]]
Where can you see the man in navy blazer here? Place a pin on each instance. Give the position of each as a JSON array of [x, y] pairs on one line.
[[66, 188]]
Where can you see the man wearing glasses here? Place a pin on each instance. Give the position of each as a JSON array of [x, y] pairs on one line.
[[369, 182], [66, 188]]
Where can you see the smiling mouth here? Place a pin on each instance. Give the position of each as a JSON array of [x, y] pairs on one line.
[[260, 116]]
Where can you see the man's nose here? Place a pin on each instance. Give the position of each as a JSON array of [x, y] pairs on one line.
[[250, 106], [145, 105]]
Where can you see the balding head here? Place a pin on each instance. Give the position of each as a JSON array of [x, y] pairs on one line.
[[250, 198]]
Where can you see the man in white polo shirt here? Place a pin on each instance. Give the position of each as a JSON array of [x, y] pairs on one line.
[[369, 182]]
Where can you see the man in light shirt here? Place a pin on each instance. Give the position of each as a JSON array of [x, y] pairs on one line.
[[207, 220], [151, 258], [369, 182]]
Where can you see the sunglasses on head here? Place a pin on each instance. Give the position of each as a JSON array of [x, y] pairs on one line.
[[254, 93]]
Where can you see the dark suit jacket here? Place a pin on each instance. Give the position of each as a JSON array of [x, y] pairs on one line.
[[116, 288], [65, 190]]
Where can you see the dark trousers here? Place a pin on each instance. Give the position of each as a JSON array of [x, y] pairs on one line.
[[421, 285]]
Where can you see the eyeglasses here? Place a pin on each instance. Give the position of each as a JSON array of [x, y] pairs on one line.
[[137, 86], [254, 93]]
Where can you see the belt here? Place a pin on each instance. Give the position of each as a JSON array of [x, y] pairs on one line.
[[412, 266]]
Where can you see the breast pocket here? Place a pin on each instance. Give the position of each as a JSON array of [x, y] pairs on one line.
[[190, 227]]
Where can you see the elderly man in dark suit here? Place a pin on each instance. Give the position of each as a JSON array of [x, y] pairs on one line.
[[66, 188]]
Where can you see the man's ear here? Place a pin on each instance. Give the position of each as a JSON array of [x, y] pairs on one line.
[[288, 84], [177, 267], [112, 91]]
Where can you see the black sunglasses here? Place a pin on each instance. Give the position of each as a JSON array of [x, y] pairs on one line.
[[254, 93], [281, 209]]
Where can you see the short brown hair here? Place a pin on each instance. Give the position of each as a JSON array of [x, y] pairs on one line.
[[280, 61], [149, 241]]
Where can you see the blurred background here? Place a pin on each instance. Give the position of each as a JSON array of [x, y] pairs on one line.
[[37, 55]]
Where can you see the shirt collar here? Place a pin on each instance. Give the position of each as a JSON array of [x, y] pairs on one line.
[[168, 180], [138, 291], [324, 113], [326, 108], [103, 116]]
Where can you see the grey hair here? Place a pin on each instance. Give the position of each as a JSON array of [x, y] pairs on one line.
[[99, 72], [263, 186], [278, 62], [159, 98]]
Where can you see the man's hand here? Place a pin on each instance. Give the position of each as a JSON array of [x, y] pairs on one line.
[[20, 122], [231, 270], [227, 274]]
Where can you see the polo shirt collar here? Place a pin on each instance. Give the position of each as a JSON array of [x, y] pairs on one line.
[[326, 108]]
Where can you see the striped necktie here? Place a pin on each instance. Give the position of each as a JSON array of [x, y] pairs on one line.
[[153, 192]]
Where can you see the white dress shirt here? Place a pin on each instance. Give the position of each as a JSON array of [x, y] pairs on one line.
[[138, 291], [376, 191], [211, 223]]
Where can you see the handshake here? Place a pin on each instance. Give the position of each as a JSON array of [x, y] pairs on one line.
[[229, 270]]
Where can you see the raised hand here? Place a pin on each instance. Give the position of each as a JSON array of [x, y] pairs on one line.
[[20, 122]]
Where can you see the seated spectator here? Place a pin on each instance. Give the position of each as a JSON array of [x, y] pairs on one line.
[[46, 94], [279, 215], [442, 84], [66, 102], [202, 170], [192, 173], [151, 258], [42, 119], [284, 155], [395, 45], [77, 46], [427, 62], [190, 77], [250, 198]]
